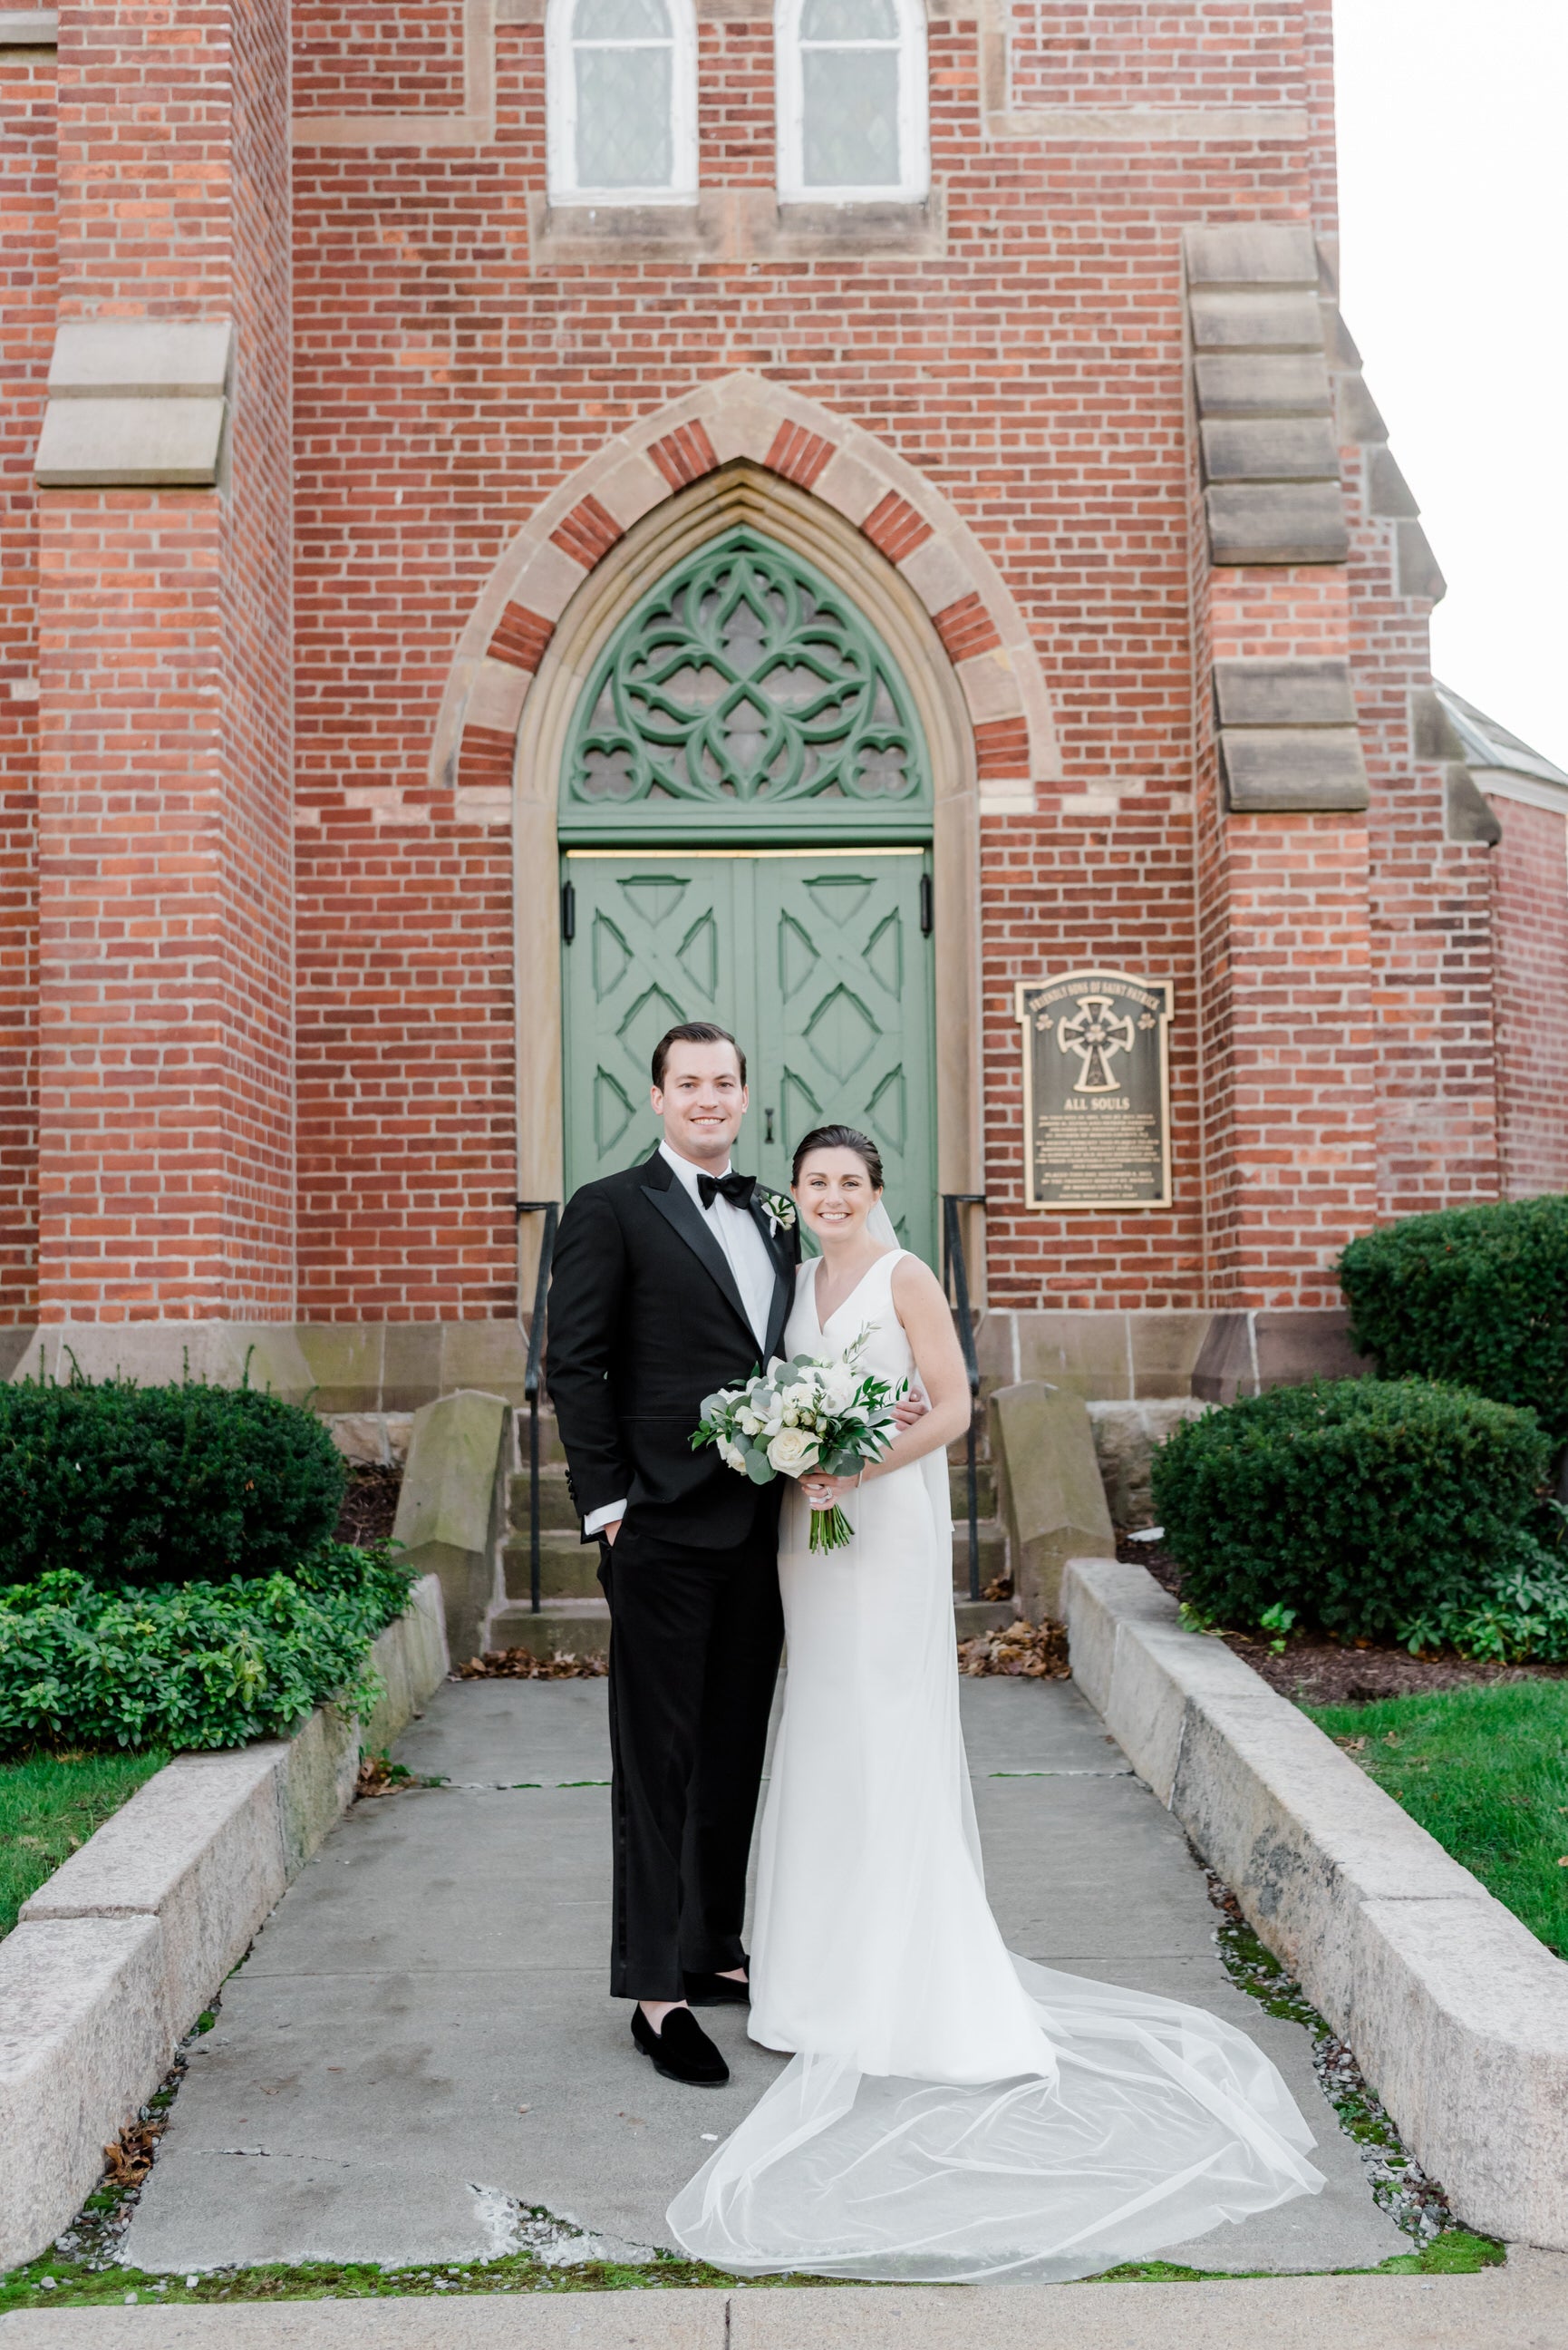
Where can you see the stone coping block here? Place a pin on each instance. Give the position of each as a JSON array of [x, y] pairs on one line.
[[198, 1848], [118, 1951], [1053, 1498], [451, 1508], [140, 358], [158, 443], [85, 2039], [1458, 2015]]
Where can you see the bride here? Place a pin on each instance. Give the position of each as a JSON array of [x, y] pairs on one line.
[[951, 2113]]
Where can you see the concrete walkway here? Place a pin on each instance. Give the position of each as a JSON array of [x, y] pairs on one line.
[[418, 2057]]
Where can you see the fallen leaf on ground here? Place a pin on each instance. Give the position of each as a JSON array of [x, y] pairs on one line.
[[523, 1664], [1036, 1652]]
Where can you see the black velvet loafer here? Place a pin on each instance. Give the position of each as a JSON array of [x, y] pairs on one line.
[[716, 1991], [680, 2049]]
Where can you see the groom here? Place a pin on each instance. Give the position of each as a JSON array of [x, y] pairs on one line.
[[671, 1280]]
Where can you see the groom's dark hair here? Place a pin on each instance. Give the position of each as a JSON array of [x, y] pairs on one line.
[[692, 1032]]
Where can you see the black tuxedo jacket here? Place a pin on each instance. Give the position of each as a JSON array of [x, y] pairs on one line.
[[645, 1320]]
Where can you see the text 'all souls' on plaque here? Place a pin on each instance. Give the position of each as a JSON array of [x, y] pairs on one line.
[[1096, 1090]]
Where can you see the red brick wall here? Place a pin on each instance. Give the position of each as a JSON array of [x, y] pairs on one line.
[[1529, 877], [1213, 53], [451, 371], [27, 300], [166, 1177], [447, 383]]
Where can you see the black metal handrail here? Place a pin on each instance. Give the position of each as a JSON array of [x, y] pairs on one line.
[[532, 1377], [955, 1284]]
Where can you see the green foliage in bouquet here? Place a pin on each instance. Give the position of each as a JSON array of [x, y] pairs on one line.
[[1476, 1296], [192, 1664], [1364, 1506], [163, 1484], [814, 1411]]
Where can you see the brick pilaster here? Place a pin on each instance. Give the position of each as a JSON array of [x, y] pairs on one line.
[[166, 1160]]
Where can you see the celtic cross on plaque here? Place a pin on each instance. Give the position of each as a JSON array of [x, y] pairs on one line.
[[1096, 1035]]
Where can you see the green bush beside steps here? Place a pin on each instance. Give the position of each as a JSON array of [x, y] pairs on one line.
[[1372, 1508], [1475, 1296], [162, 1484], [168, 1573], [195, 1665]]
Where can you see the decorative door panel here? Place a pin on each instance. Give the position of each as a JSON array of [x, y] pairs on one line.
[[845, 1007], [654, 944], [816, 962]]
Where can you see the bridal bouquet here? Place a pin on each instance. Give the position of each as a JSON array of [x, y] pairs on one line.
[[814, 1411]]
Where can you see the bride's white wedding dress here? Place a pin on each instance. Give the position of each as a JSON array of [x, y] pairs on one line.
[[952, 2113]]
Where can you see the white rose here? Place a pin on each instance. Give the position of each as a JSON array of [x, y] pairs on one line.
[[731, 1454], [792, 1453], [838, 1384], [747, 1422]]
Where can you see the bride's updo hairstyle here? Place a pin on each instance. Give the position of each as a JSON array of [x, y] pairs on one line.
[[838, 1138]]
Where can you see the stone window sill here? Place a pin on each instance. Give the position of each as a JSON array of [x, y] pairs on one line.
[[733, 223]]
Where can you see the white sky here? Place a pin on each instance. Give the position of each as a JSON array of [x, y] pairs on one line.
[[1454, 259]]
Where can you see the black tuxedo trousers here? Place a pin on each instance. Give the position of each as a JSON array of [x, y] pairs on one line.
[[695, 1637], [645, 1320]]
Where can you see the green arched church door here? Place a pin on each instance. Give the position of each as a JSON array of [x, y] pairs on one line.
[[745, 826]]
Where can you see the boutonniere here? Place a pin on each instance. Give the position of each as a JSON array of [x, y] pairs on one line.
[[779, 1210]]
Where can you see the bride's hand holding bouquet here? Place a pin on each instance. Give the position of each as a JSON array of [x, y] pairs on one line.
[[816, 1418]]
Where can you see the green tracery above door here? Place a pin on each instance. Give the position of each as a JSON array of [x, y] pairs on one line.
[[745, 699]]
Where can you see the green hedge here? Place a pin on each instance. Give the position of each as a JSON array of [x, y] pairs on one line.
[[1360, 1504], [192, 1664], [1477, 1297], [155, 1485]]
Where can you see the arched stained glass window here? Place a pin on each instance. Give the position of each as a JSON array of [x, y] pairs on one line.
[[852, 100], [745, 695], [622, 101]]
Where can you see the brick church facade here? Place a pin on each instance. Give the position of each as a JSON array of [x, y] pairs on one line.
[[349, 428]]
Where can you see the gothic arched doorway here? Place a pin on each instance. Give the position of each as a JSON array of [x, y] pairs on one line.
[[745, 822]]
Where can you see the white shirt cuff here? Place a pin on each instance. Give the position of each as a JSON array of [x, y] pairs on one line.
[[604, 1517]]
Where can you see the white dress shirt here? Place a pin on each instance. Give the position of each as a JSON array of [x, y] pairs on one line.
[[746, 1253]]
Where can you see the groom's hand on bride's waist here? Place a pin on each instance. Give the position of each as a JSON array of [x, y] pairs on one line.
[[908, 1409]]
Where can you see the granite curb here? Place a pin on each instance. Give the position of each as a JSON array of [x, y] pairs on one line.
[[118, 1951], [1458, 2015], [1515, 2307]]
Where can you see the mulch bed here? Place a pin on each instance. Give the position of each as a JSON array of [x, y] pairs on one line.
[[370, 1503], [1315, 1668]]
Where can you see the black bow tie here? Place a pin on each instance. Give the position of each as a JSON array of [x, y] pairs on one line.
[[736, 1189]]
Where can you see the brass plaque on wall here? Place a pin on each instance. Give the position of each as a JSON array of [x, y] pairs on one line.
[[1096, 1090]]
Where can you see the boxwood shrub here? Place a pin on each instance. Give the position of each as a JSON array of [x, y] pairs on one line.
[[188, 1666], [159, 1484], [1478, 1297], [1361, 1505]]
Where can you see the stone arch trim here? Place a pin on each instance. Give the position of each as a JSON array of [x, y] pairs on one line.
[[745, 419], [663, 539]]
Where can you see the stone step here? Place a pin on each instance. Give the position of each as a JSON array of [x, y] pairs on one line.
[[984, 1486], [556, 1509], [578, 1628], [972, 1617], [552, 1453], [992, 1554], [569, 1568]]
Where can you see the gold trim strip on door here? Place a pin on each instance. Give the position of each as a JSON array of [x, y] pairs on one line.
[[665, 856]]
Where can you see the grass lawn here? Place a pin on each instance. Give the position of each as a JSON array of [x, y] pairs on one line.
[[50, 1805], [1485, 1771]]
